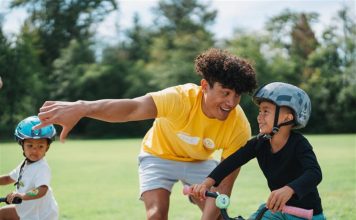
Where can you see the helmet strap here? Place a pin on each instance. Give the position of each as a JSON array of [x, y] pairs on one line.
[[286, 123], [275, 128]]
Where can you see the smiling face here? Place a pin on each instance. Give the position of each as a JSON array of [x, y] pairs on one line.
[[35, 149], [266, 114], [218, 101]]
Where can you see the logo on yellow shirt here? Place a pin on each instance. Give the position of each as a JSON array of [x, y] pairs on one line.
[[188, 139], [208, 143]]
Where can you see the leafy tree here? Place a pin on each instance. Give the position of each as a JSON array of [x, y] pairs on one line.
[[333, 84], [60, 21], [181, 35], [22, 89], [292, 31], [70, 69]]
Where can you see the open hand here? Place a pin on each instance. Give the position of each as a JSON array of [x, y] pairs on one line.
[[65, 114]]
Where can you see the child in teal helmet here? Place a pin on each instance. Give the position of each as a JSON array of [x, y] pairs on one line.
[[285, 157], [32, 177]]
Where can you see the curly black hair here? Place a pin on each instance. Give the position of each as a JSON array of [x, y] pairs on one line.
[[216, 65]]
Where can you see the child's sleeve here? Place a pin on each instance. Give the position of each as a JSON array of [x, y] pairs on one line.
[[311, 175], [43, 177], [234, 161], [170, 103], [14, 174]]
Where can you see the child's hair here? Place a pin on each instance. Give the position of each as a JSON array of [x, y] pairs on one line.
[[24, 130], [217, 65]]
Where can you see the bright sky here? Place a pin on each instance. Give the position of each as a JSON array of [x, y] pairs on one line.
[[232, 14]]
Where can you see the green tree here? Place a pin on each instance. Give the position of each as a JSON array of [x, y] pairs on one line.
[[22, 89], [181, 35], [292, 31], [60, 21], [137, 48], [333, 84], [69, 71]]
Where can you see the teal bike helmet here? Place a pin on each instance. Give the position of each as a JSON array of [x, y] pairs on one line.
[[284, 94], [24, 130]]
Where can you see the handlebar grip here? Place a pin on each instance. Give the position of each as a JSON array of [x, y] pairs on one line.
[[16, 200], [188, 191], [299, 212], [222, 201]]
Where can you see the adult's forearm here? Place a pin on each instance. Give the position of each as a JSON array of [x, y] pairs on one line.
[[121, 110], [110, 110], [225, 187]]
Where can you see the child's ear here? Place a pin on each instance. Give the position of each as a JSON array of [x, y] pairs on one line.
[[289, 117]]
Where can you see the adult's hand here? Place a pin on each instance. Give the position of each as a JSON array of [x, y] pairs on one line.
[[65, 114]]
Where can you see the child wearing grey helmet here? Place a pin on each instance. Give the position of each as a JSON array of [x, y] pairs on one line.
[[33, 197], [285, 157]]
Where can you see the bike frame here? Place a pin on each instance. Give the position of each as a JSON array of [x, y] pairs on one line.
[[222, 201]]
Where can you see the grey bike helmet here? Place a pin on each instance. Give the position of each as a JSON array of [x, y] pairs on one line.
[[284, 94]]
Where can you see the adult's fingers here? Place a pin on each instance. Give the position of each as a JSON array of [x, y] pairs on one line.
[[64, 133], [41, 125], [48, 103], [46, 119]]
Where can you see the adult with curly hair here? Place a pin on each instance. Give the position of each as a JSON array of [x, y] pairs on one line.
[[191, 122]]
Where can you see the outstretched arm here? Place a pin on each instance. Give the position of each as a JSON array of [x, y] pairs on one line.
[[67, 114], [5, 180]]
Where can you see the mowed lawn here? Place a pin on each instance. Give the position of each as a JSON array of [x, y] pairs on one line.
[[98, 179]]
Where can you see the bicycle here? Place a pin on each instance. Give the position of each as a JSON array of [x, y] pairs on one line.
[[222, 201], [16, 200]]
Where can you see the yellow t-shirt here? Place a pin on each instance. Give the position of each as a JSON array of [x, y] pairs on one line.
[[182, 132]]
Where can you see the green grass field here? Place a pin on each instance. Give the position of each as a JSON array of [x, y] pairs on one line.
[[99, 180]]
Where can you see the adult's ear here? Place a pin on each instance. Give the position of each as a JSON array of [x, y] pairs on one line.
[[204, 85]]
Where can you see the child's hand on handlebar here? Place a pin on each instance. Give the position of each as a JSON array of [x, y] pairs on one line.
[[10, 197], [278, 198], [199, 190]]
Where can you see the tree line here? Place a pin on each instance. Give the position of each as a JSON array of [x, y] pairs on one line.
[[54, 57]]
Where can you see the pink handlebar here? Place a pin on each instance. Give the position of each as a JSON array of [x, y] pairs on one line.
[[299, 212], [186, 190]]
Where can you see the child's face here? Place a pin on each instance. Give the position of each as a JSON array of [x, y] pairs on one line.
[[35, 149], [266, 114]]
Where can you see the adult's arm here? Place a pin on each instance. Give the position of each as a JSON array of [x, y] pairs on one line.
[[67, 114]]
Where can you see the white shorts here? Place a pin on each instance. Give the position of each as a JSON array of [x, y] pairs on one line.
[[155, 172]]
